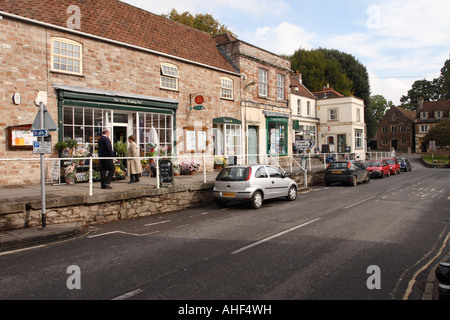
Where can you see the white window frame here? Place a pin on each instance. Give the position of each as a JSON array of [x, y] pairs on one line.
[[169, 77], [299, 107], [438, 114], [424, 115], [333, 115], [280, 87], [262, 82], [424, 128], [359, 139], [226, 88], [65, 58], [308, 108]]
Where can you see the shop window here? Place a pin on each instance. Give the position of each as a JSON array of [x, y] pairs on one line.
[[169, 76], [196, 140], [226, 88], [277, 131], [66, 56]]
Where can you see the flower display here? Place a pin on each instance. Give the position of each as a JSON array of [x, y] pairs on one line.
[[188, 166], [80, 152]]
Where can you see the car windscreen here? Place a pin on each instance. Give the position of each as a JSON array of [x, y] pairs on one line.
[[233, 174], [373, 164], [390, 161], [338, 165]]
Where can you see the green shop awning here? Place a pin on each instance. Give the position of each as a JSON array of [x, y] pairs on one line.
[[227, 120]]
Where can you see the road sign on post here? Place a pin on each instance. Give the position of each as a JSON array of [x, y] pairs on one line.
[[304, 144], [433, 146]]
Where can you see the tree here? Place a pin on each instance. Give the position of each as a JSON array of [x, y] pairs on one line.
[[375, 109], [440, 134], [203, 22], [437, 89]]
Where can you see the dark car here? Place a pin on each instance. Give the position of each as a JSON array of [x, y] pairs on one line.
[[351, 172], [378, 168], [405, 165], [394, 166]]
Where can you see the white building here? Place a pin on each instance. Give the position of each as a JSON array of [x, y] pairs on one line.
[[305, 122], [341, 123]]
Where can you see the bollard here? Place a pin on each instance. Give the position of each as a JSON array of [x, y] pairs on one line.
[[443, 276]]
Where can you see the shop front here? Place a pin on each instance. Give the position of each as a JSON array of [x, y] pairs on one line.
[[83, 114], [227, 137]]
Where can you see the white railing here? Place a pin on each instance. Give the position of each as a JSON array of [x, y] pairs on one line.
[[205, 165]]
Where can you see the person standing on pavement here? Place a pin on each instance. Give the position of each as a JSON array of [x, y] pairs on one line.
[[134, 165], [106, 165]]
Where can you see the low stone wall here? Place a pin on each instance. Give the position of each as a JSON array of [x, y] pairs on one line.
[[108, 207]]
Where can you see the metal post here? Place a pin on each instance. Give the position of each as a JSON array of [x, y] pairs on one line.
[[90, 176], [204, 169], [41, 116], [157, 173]]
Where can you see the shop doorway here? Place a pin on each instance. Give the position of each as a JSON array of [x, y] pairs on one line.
[[119, 134], [342, 143], [252, 145]]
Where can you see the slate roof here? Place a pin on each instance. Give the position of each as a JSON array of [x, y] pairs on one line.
[[116, 20]]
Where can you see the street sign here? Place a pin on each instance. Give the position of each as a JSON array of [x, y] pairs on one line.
[[48, 124], [433, 146], [304, 144], [41, 133], [42, 147]]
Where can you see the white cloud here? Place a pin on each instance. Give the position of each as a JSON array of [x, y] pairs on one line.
[[285, 38]]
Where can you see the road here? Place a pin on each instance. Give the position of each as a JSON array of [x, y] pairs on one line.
[[331, 243]]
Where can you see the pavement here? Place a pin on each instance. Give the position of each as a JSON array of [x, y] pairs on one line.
[[37, 236]]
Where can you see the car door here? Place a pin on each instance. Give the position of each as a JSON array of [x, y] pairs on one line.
[[358, 169], [279, 185]]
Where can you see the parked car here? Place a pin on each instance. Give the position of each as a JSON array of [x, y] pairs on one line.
[[405, 165], [378, 168], [394, 166], [351, 172], [253, 184]]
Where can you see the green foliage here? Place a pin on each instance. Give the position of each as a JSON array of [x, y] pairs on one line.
[[440, 134], [375, 109], [437, 89], [203, 22]]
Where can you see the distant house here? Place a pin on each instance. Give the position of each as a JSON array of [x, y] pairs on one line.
[[305, 123], [342, 128], [396, 130], [429, 114]]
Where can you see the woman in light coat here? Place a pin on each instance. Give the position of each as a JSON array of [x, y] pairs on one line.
[[134, 165]]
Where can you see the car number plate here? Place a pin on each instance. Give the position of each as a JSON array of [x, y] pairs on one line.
[[336, 172], [229, 195]]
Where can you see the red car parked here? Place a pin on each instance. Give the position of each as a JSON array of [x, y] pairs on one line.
[[378, 168], [394, 166]]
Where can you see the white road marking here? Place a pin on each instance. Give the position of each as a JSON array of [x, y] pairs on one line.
[[122, 232], [356, 203], [128, 295], [274, 236], [199, 214], [155, 223]]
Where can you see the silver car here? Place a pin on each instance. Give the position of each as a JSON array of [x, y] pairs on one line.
[[253, 183]]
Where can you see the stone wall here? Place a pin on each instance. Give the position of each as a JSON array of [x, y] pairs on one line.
[[108, 207]]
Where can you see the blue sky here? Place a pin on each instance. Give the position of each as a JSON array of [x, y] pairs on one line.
[[398, 41]]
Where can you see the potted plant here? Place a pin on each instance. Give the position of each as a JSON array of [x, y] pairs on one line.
[[60, 145], [176, 168], [219, 162], [189, 166], [69, 174]]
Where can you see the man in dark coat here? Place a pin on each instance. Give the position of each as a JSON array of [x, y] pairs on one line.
[[106, 165]]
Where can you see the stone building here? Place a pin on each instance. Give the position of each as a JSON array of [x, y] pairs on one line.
[[265, 109], [396, 131], [106, 64], [429, 114]]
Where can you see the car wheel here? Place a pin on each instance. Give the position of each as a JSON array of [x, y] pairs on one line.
[[389, 174], [327, 183], [292, 194], [354, 182], [257, 200], [367, 180]]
